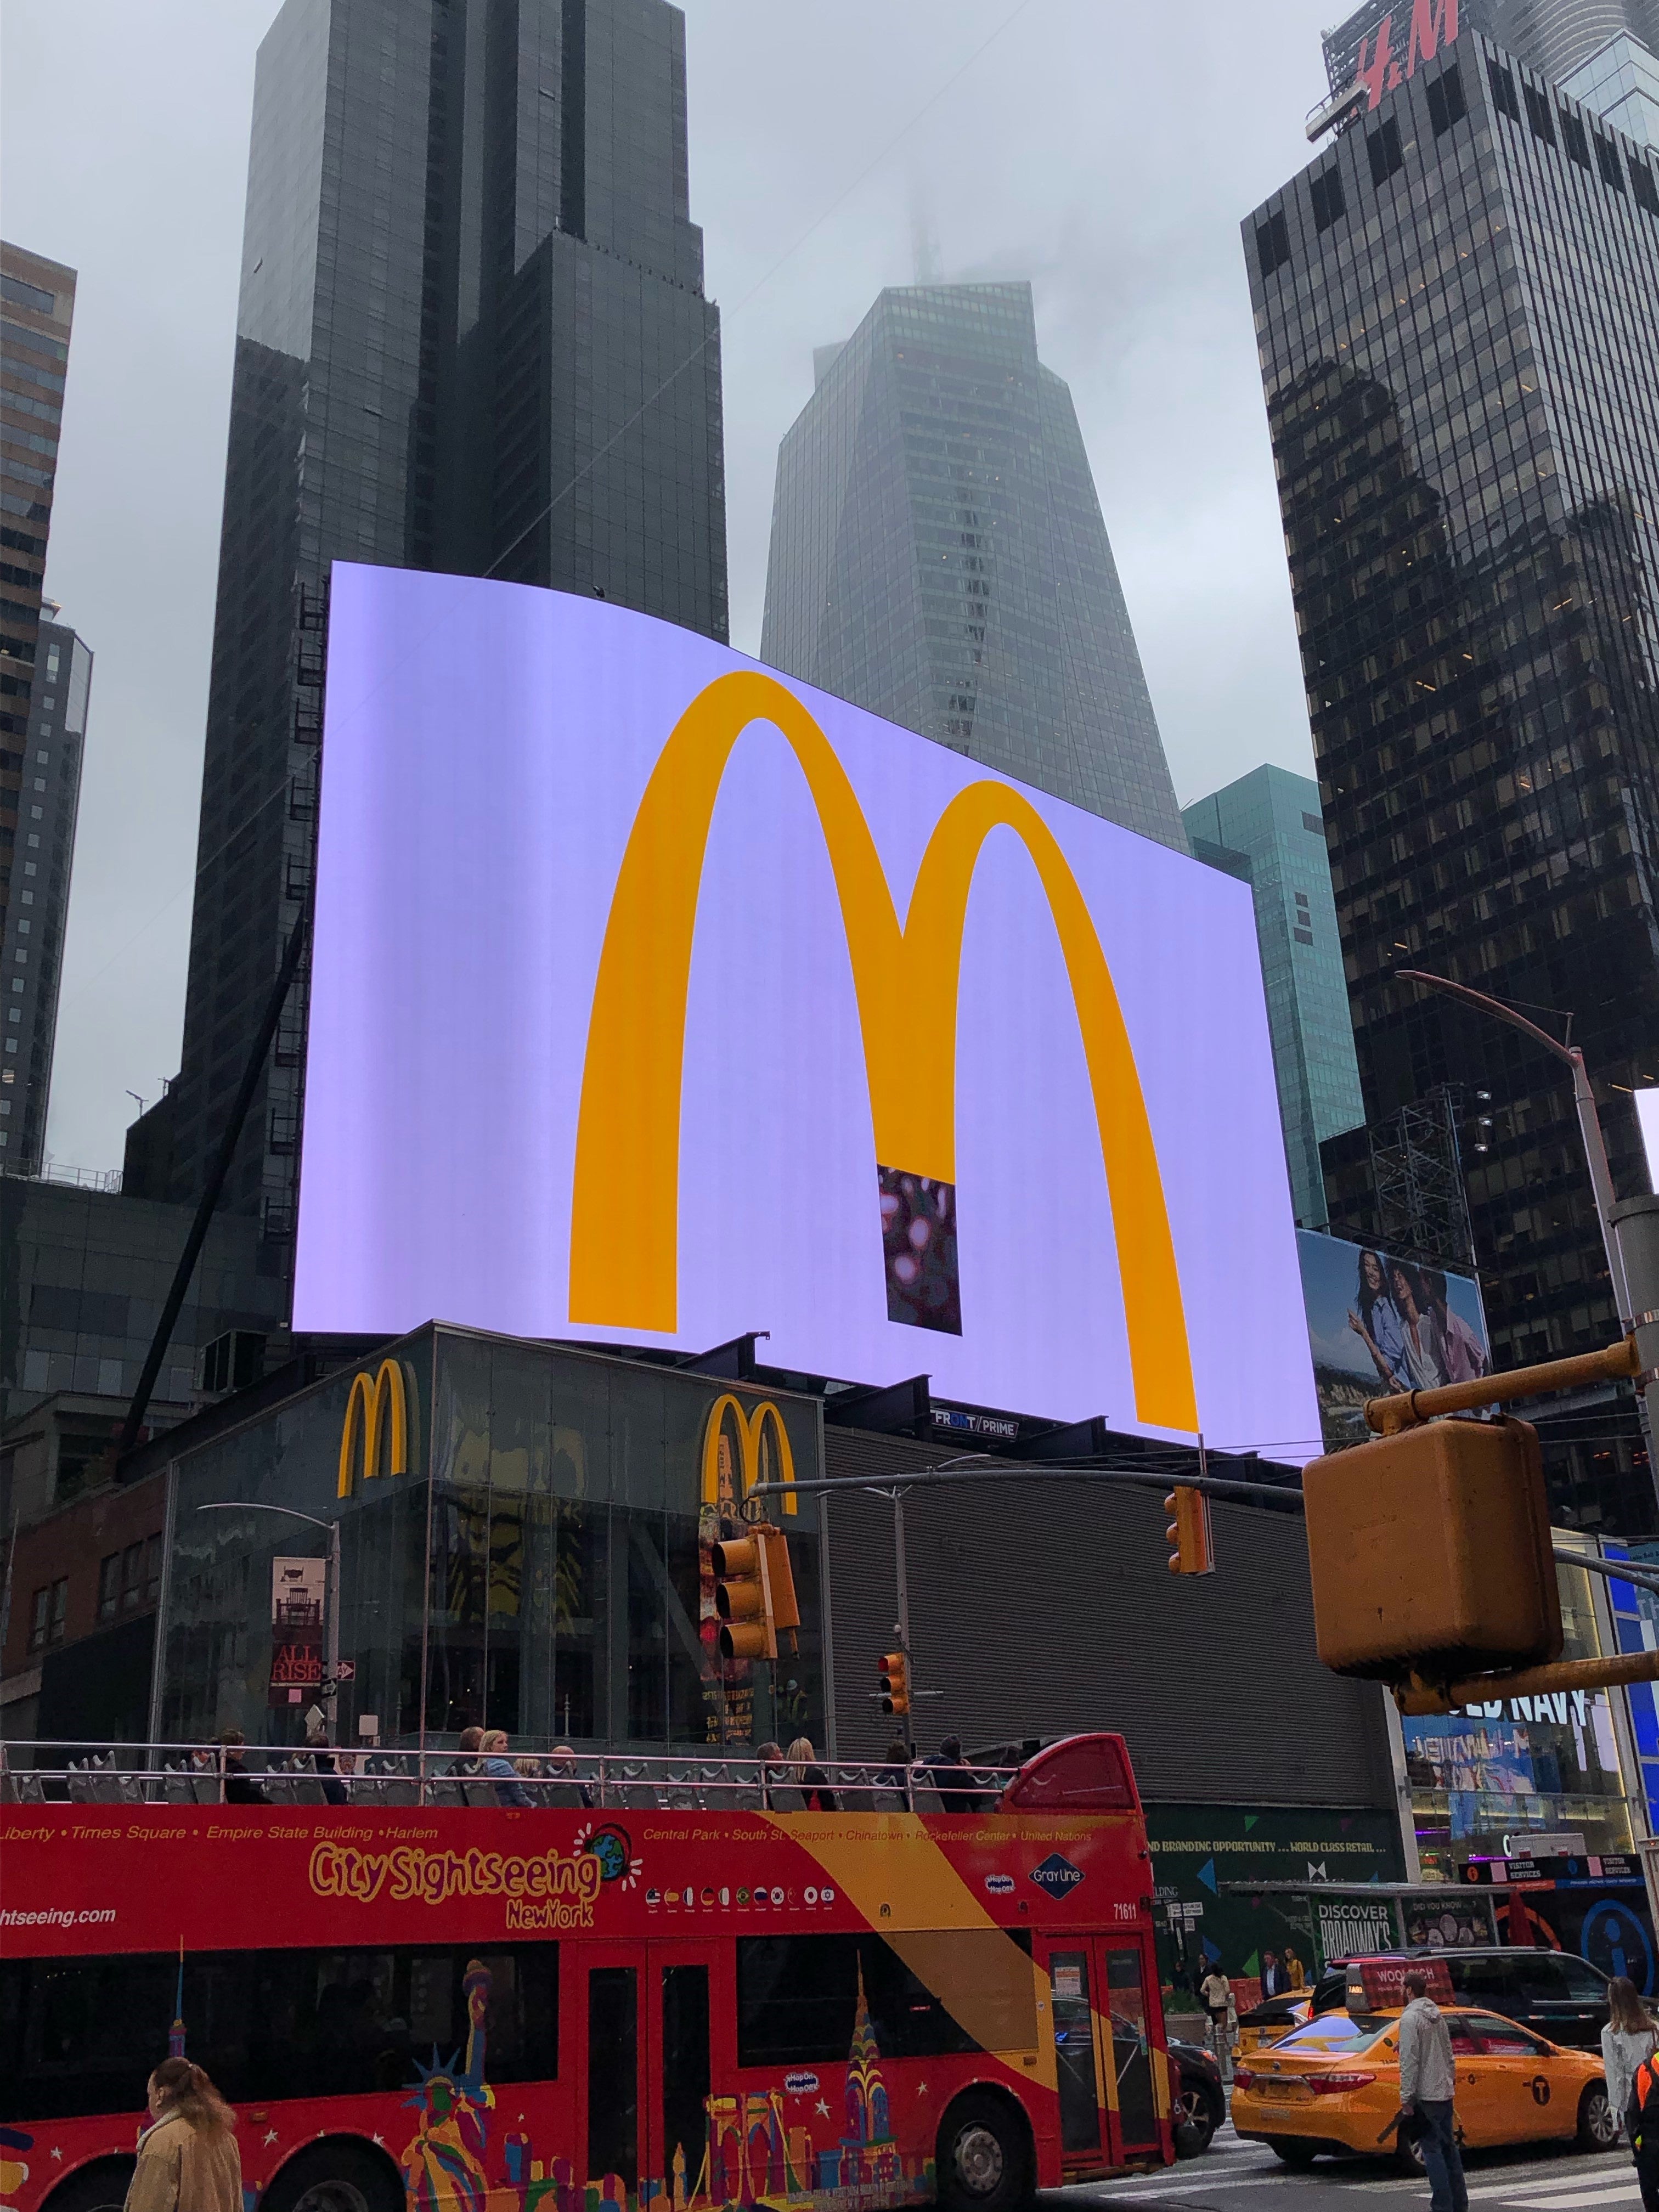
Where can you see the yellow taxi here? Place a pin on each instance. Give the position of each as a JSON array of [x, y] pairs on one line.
[[1333, 2084]]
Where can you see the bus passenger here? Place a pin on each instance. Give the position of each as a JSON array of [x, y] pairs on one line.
[[240, 1788], [770, 1758], [809, 1777], [187, 2157], [509, 1790]]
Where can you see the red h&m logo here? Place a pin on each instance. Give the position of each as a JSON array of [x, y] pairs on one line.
[[1433, 25]]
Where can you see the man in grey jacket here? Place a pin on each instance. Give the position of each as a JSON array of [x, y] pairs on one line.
[[1428, 2080]]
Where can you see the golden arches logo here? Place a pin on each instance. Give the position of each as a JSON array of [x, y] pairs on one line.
[[374, 1410], [751, 1432], [624, 1223]]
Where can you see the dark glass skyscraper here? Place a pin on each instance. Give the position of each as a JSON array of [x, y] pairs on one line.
[[1457, 310], [939, 555], [471, 337]]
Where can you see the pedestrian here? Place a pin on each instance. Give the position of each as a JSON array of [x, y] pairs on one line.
[[240, 1788], [1628, 2038], [1642, 2130], [1215, 1994], [810, 1778], [1428, 2083], [187, 2156], [499, 1769]]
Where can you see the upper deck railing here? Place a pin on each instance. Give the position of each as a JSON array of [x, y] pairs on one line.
[[281, 1777]]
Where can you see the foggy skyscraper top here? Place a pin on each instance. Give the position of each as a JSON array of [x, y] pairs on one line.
[[939, 555]]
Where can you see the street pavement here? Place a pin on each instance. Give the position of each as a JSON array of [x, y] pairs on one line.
[[1240, 2176]]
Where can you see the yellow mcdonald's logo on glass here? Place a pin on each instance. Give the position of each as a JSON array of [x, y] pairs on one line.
[[741, 1446], [624, 1214], [703, 1002], [377, 1413]]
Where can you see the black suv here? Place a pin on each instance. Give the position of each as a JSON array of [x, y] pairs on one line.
[[1557, 1994]]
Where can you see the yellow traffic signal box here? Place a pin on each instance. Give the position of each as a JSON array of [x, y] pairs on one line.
[[1431, 1553], [754, 1592], [895, 1683], [1192, 1545]]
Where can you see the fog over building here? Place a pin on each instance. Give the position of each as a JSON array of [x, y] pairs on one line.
[[939, 555]]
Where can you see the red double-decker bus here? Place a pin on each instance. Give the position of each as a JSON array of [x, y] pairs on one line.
[[676, 1995]]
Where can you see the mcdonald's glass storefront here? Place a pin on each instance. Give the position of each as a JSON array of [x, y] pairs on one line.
[[525, 1543]]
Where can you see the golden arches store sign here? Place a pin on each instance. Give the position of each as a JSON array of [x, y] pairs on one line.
[[706, 1003]]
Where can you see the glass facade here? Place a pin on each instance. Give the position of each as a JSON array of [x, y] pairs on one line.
[[542, 1565], [939, 555], [1457, 311], [471, 337], [1484, 1778], [45, 670], [1266, 828], [1621, 82]]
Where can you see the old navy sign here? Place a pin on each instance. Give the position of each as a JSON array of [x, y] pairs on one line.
[[1399, 42]]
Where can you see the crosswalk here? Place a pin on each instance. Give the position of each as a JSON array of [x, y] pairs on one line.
[[1604, 2182]]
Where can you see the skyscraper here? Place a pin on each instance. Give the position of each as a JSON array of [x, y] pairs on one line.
[[471, 337], [1266, 830], [1458, 309], [939, 555], [42, 696]]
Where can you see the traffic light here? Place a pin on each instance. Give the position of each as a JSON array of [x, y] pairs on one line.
[[754, 1592], [1431, 1553], [1188, 1532], [895, 1683]]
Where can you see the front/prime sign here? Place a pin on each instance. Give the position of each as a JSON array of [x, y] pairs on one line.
[[657, 998]]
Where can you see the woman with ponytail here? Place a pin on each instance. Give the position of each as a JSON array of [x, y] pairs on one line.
[[187, 2157]]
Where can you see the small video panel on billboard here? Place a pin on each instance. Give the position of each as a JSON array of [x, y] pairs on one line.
[[1378, 1324], [657, 998]]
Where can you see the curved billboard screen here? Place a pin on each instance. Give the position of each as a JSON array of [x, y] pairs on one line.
[[657, 998]]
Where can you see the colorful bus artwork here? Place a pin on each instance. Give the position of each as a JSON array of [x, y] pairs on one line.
[[662, 1999]]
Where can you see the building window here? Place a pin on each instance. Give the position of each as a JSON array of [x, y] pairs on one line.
[[109, 1586], [132, 1577], [1447, 105], [1502, 81], [1325, 191], [1576, 139], [1538, 113], [1273, 243], [1607, 159], [1384, 152], [51, 1612]]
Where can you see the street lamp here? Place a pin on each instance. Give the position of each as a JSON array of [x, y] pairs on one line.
[[1596, 1153], [1583, 1099], [331, 1594]]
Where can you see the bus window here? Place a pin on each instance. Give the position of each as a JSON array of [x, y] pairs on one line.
[[613, 2075], [81, 2035], [1074, 2049], [685, 2078], [797, 1996], [1137, 2113]]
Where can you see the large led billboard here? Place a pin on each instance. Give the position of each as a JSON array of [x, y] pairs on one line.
[[656, 998]]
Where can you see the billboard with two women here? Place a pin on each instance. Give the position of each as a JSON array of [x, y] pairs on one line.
[[1377, 1324]]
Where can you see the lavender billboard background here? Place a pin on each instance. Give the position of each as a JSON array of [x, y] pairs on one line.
[[486, 747]]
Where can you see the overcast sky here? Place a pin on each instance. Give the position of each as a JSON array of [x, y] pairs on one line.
[[1105, 151]]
